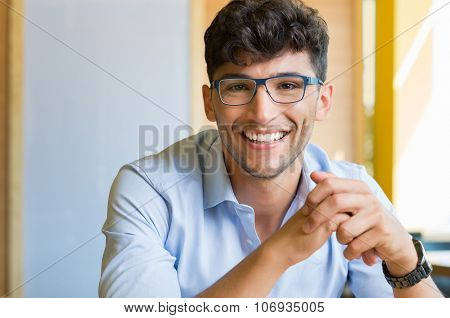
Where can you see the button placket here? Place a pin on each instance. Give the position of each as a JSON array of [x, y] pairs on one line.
[[247, 219]]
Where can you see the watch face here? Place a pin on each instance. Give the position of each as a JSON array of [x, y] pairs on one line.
[[422, 256], [420, 252]]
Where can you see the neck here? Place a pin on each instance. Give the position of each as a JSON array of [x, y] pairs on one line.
[[270, 198]]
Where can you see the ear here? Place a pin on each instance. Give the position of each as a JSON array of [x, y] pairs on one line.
[[207, 103], [325, 102]]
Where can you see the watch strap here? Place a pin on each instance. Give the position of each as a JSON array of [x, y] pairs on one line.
[[422, 271]]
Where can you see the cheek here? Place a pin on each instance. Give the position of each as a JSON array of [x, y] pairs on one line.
[[301, 117], [227, 116]]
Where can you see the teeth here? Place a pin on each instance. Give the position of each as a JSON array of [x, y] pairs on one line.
[[265, 137]]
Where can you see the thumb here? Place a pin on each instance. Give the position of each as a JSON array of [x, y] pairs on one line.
[[319, 176]]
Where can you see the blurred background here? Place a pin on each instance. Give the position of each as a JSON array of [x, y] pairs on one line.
[[89, 85]]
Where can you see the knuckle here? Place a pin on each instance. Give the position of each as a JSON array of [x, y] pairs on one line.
[[328, 182], [340, 231], [379, 217], [311, 201], [320, 219], [372, 199], [383, 231], [335, 200], [312, 218], [344, 234], [350, 249], [339, 237], [354, 247], [365, 187], [348, 253], [357, 244]]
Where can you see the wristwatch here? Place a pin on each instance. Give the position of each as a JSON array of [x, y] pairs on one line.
[[422, 271]]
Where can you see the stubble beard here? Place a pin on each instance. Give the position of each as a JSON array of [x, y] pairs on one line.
[[269, 173]]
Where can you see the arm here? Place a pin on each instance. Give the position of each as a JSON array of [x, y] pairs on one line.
[[135, 262], [256, 275], [245, 279]]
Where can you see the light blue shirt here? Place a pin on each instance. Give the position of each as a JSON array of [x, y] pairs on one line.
[[174, 227]]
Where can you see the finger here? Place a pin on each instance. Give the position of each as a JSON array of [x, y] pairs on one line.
[[333, 224], [333, 185], [361, 222], [319, 176], [366, 241], [370, 257], [341, 202]]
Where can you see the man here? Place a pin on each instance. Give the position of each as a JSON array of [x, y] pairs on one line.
[[252, 209]]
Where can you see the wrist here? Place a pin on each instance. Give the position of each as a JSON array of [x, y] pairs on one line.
[[274, 253], [403, 263]]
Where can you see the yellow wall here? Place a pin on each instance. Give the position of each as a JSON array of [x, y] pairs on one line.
[[384, 96], [3, 150], [15, 150], [202, 14], [398, 108]]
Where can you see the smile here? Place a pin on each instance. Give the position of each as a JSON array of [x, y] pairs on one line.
[[264, 138]]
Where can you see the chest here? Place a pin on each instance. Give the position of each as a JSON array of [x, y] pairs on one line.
[[209, 248]]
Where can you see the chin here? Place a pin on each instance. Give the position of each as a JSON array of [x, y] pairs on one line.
[[264, 173]]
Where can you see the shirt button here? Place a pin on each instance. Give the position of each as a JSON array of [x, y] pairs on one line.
[[249, 241]]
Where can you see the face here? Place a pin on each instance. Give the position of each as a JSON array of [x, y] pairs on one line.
[[281, 130]]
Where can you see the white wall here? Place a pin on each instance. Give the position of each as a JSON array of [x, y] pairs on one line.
[[81, 124], [423, 174]]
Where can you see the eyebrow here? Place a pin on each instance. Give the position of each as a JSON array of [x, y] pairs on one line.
[[242, 75]]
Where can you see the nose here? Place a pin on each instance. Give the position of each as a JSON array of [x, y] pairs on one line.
[[262, 109]]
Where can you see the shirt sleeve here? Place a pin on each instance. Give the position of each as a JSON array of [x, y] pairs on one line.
[[135, 262], [364, 280]]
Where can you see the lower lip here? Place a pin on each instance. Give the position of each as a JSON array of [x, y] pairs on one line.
[[264, 146]]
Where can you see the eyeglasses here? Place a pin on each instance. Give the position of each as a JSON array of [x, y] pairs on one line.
[[282, 89]]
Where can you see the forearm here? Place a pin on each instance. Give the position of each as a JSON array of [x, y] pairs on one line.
[[255, 276]]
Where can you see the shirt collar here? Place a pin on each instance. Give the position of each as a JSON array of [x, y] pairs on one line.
[[306, 183], [216, 181], [217, 186]]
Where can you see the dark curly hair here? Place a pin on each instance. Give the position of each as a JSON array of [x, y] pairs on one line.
[[263, 29]]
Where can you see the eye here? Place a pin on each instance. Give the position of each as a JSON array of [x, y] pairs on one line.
[[288, 86], [237, 87]]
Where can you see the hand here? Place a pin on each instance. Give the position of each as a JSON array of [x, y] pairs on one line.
[[369, 232], [294, 245]]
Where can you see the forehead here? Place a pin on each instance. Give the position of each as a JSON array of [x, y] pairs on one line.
[[287, 62]]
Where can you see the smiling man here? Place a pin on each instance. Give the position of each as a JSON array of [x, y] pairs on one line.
[[252, 209]]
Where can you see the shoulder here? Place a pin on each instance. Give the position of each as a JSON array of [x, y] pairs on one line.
[[177, 164], [159, 184]]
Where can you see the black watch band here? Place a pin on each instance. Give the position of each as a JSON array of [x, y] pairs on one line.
[[422, 271]]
